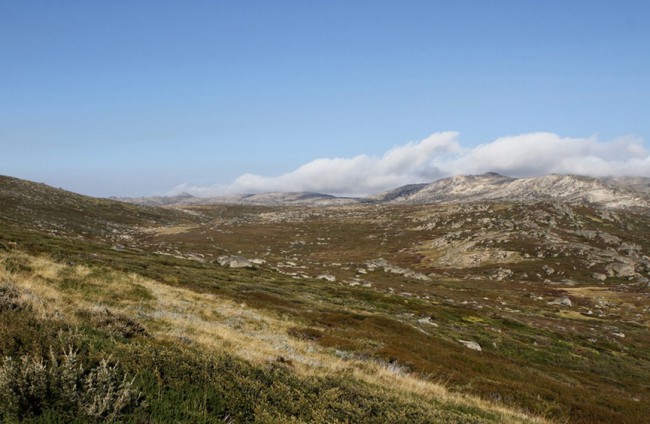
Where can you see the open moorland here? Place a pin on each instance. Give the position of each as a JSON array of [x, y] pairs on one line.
[[488, 310]]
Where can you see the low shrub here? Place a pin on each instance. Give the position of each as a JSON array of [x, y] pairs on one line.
[[113, 323], [10, 297], [59, 385], [305, 333]]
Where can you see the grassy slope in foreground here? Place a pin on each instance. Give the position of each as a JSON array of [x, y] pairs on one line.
[[549, 360], [195, 357]]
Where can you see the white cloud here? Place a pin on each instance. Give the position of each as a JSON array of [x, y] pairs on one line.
[[545, 153], [441, 155]]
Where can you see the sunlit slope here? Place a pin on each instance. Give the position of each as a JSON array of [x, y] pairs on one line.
[[41, 207], [379, 301], [185, 349]]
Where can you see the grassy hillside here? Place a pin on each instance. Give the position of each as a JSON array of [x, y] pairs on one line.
[[191, 357], [55, 211], [351, 314]]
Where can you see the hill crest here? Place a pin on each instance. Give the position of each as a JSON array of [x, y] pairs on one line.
[[611, 192]]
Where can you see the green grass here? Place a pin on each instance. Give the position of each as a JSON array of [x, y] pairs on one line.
[[564, 385], [186, 384], [534, 358]]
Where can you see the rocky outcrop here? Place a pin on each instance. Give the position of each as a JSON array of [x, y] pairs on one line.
[[609, 192], [471, 345], [620, 269], [387, 267], [561, 301], [327, 277], [235, 262]]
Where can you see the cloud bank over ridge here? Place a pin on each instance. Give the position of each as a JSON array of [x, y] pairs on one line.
[[441, 155]]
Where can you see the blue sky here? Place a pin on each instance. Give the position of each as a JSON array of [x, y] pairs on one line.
[[140, 98]]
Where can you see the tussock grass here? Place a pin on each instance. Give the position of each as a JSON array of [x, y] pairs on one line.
[[116, 303], [139, 284]]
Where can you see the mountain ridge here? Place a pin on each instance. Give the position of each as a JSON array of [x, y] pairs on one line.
[[611, 192], [483, 295]]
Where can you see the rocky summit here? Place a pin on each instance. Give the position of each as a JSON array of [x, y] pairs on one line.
[[610, 192]]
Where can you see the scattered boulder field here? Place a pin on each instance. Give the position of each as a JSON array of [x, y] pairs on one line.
[[531, 294]]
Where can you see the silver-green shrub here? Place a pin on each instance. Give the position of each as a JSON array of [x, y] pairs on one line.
[[32, 385]]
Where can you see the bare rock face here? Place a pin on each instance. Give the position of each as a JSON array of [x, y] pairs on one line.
[[235, 262]]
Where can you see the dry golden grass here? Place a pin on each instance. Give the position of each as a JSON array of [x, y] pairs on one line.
[[621, 299], [591, 292], [576, 315], [218, 324], [462, 254], [169, 230]]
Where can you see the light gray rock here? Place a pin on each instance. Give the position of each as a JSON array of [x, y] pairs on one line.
[[235, 262], [562, 301], [598, 276], [619, 269], [503, 274], [427, 321], [327, 277], [548, 270], [471, 345], [257, 261], [609, 238], [387, 267]]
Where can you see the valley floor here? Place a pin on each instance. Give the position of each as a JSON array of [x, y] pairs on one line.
[[483, 312]]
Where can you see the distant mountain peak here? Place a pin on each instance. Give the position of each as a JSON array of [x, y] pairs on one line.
[[492, 186], [615, 192], [493, 174]]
